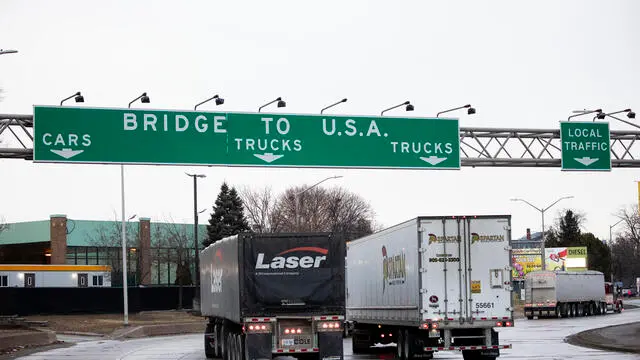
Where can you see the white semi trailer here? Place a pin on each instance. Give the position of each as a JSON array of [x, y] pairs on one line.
[[432, 284], [564, 294]]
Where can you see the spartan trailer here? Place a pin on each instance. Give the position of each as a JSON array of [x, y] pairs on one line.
[[432, 284], [564, 294], [269, 295]]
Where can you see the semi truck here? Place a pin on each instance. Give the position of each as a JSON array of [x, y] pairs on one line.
[[433, 283], [564, 294], [269, 295]]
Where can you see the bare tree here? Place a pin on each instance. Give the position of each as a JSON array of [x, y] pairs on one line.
[[625, 249], [179, 241], [631, 219], [261, 208], [109, 238], [300, 209], [3, 225]]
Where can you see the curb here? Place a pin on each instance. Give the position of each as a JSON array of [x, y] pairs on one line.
[[594, 339], [32, 338], [79, 333], [158, 330]]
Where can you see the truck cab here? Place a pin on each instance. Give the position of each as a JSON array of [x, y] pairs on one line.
[[613, 296]]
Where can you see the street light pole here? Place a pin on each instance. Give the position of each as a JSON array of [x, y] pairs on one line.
[[195, 238], [145, 99], [297, 197], [542, 211]]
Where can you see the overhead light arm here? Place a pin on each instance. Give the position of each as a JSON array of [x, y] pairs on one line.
[[408, 108], [143, 98], [281, 103], [334, 104], [584, 113], [470, 110], [219, 101], [78, 98]]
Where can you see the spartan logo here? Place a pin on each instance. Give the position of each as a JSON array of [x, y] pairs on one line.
[[475, 237], [433, 238], [394, 269]]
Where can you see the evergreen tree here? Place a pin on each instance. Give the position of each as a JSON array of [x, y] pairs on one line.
[[598, 253], [569, 234], [228, 216]]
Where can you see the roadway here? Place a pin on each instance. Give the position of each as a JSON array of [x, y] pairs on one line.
[[531, 339]]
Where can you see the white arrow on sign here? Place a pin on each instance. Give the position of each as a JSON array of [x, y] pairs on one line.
[[67, 153], [433, 160], [268, 157], [586, 161]]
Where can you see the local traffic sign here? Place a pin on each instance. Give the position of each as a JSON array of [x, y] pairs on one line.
[[135, 136], [585, 146]]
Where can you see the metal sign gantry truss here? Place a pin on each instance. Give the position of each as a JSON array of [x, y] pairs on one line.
[[499, 147]]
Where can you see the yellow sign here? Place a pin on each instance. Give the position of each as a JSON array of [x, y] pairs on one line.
[[476, 288], [525, 261]]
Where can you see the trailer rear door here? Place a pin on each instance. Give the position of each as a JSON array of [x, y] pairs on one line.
[[465, 268]]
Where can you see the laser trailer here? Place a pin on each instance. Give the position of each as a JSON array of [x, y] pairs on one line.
[[269, 295]]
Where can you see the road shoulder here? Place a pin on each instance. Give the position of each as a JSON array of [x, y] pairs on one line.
[[622, 338]]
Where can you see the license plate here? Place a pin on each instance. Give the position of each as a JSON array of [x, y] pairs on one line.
[[301, 341], [287, 342]]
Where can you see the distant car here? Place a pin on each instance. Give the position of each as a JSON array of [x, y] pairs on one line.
[[629, 292]]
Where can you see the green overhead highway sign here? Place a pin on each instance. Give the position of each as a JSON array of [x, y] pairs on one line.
[[585, 146], [135, 136]]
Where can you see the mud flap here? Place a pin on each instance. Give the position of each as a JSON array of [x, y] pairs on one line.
[[258, 346], [494, 341], [330, 345]]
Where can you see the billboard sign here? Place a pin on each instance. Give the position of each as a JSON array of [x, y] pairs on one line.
[[525, 261], [566, 258]]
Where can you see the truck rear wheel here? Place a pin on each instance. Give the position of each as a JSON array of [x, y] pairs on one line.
[[359, 342], [400, 350], [409, 349], [210, 341]]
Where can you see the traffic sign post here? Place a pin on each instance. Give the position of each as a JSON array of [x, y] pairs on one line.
[[585, 146], [94, 135]]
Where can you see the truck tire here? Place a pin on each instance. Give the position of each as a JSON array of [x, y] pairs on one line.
[[358, 346], [224, 337], [217, 330], [400, 350], [564, 310], [235, 338], [210, 351], [241, 352], [409, 350]]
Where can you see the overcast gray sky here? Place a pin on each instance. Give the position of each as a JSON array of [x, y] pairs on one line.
[[522, 64]]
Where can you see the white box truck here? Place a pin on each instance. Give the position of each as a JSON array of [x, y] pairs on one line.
[[564, 294], [432, 284]]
